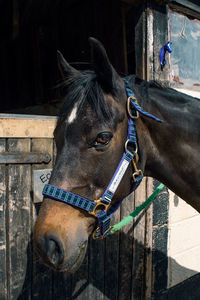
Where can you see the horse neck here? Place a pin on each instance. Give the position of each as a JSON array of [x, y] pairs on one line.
[[169, 150]]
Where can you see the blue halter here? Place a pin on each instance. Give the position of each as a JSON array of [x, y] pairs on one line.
[[102, 208]]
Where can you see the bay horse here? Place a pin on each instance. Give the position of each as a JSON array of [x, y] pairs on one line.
[[90, 135]]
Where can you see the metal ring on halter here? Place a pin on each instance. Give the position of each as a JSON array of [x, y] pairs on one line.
[[134, 143], [100, 237], [94, 234], [129, 109]]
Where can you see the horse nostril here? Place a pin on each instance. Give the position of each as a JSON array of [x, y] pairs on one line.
[[53, 252], [53, 248]]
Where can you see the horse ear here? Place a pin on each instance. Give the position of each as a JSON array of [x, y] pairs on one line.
[[65, 69], [102, 66]]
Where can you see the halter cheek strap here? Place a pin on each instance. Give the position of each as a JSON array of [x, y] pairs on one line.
[[102, 208]]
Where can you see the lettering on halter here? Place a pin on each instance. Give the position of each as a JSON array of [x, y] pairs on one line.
[[119, 176]]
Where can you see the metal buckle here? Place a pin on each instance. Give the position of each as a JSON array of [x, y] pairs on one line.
[[137, 173], [129, 109], [98, 204]]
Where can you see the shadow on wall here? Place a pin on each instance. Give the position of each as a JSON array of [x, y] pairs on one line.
[[113, 269]]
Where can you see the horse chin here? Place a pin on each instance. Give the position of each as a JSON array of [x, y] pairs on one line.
[[72, 266]]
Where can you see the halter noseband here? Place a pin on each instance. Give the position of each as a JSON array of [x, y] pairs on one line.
[[102, 208]]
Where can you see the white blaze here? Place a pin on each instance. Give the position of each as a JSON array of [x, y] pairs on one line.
[[73, 114]]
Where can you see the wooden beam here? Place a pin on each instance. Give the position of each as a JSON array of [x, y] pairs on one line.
[[24, 158], [24, 126], [185, 11], [187, 4]]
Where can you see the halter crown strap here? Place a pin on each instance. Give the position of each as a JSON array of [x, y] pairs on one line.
[[102, 208]]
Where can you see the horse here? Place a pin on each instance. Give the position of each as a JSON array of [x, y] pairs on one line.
[[90, 135]]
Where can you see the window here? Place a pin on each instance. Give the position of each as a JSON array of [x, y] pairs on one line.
[[185, 57]]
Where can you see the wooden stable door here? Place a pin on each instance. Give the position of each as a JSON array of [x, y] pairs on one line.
[[26, 144]]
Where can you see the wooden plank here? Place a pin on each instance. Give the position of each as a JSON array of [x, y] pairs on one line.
[[111, 264], [24, 158], [184, 10], [19, 221], [188, 4], [148, 244], [96, 269], [161, 37], [80, 282], [149, 182], [149, 45], [160, 241], [42, 276], [3, 242], [126, 250], [138, 246], [26, 127], [62, 286]]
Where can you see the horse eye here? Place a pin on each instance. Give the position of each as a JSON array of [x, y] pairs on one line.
[[102, 139]]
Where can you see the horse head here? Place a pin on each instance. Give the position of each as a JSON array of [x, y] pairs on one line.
[[90, 136]]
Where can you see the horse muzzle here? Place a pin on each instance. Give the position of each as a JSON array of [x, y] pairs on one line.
[[61, 236], [55, 255]]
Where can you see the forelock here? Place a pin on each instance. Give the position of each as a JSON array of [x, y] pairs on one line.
[[85, 89]]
